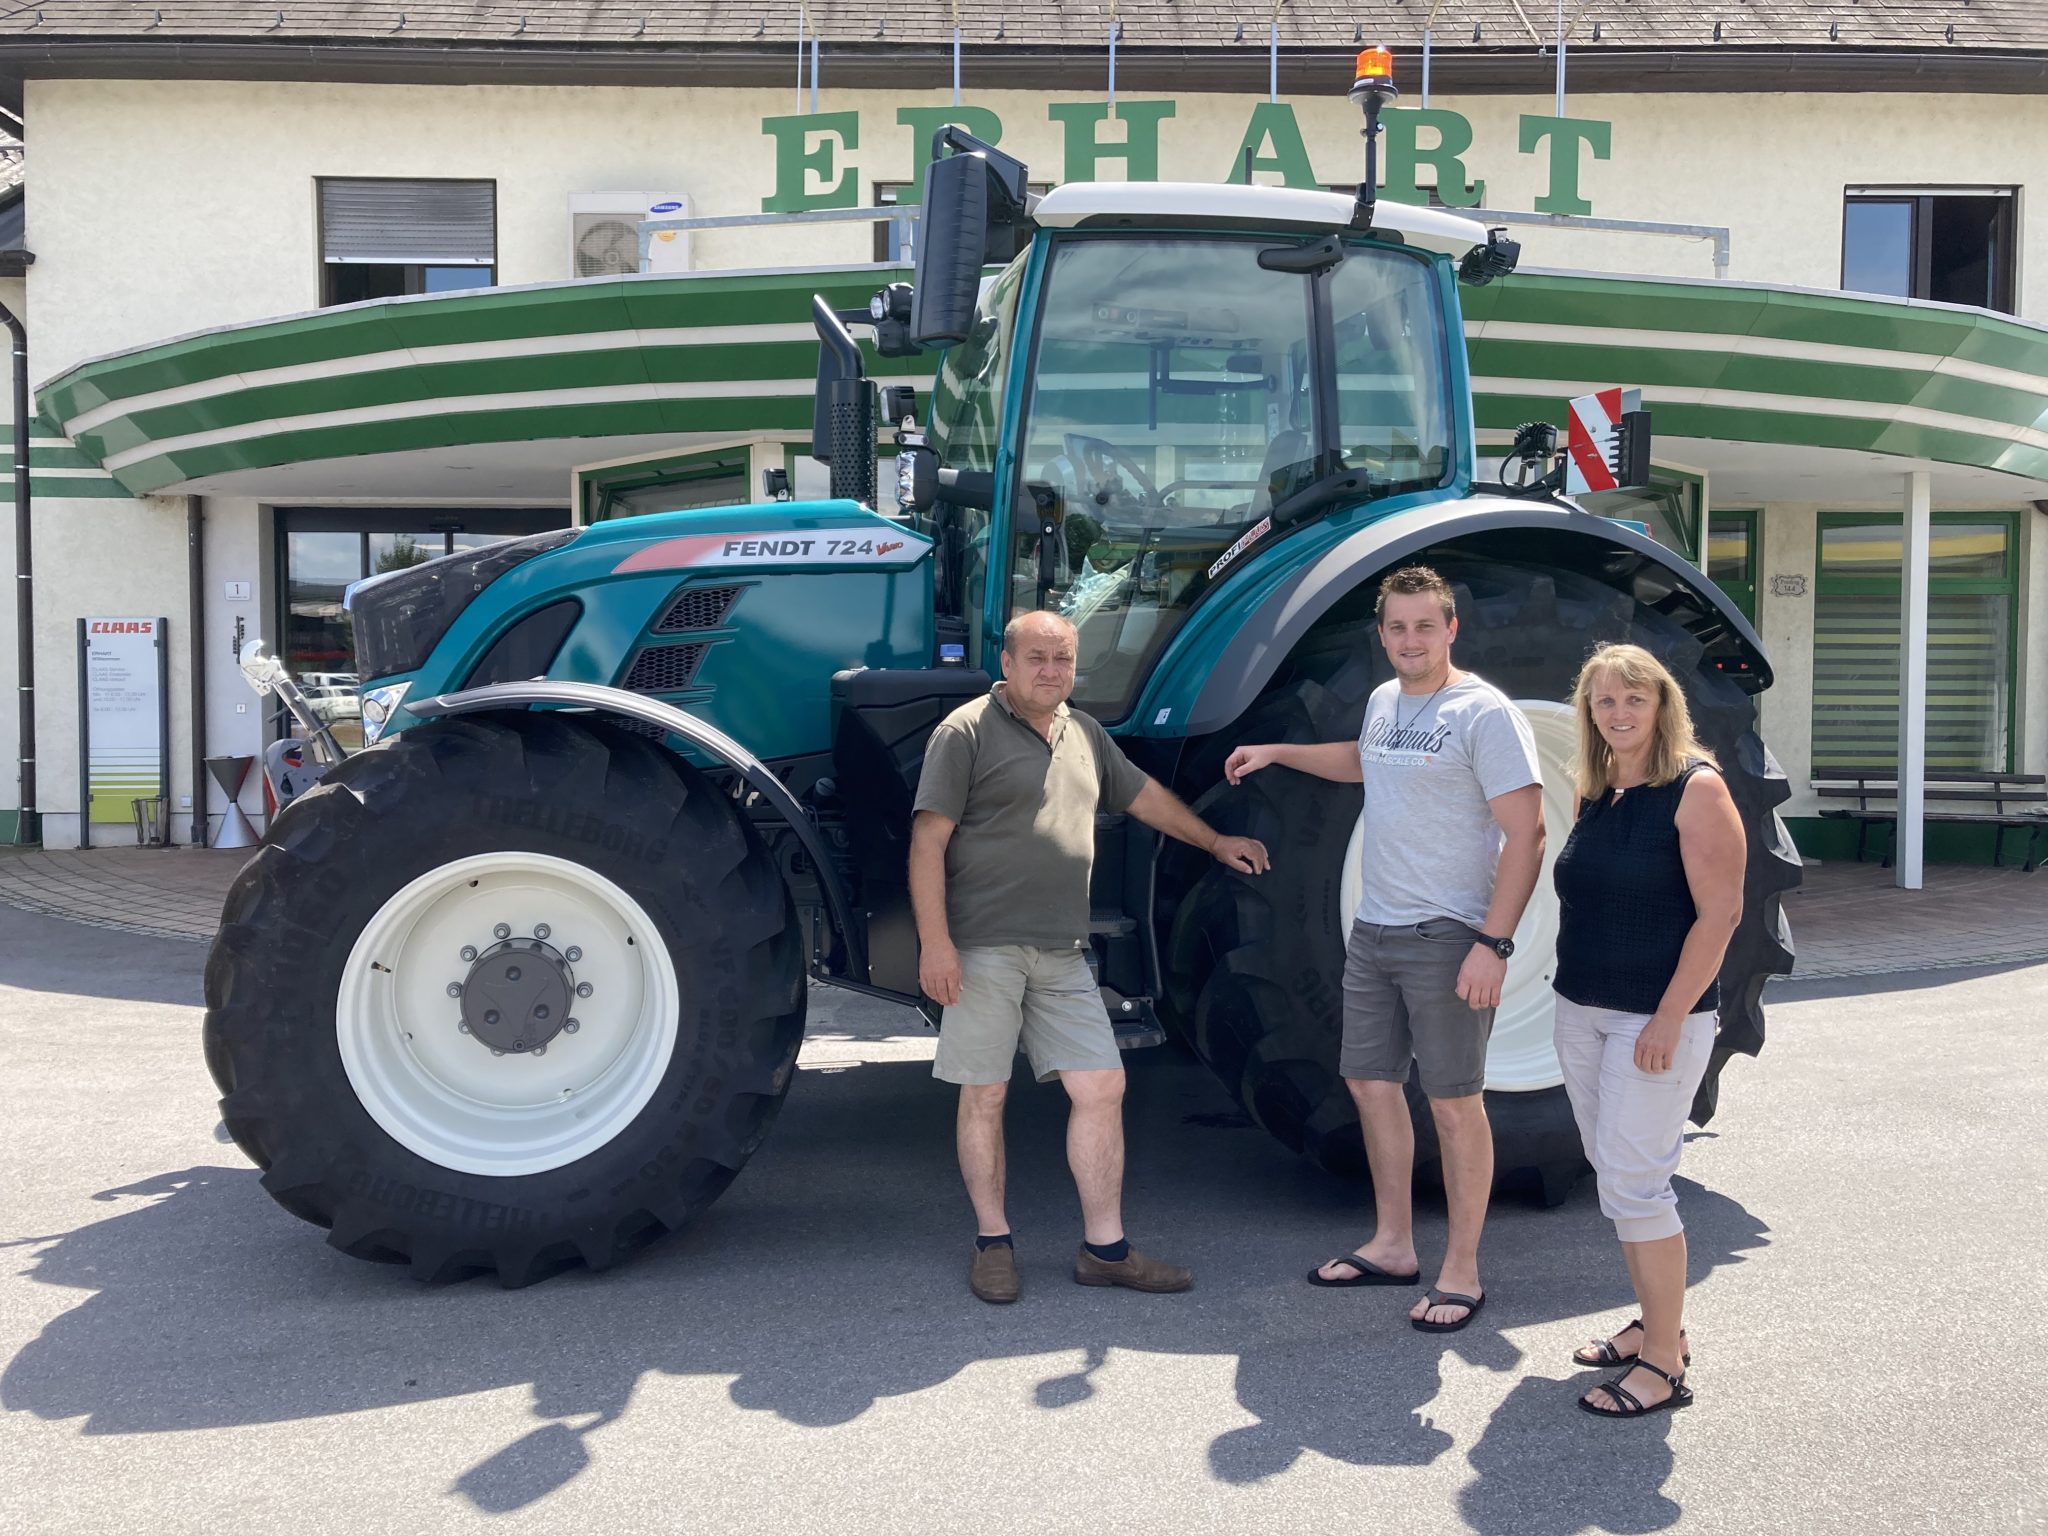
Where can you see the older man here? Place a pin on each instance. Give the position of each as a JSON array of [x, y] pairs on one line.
[[1000, 853]]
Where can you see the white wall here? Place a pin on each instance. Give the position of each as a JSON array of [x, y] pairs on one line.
[[173, 207], [103, 557], [1786, 626]]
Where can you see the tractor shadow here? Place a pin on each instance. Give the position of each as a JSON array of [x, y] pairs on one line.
[[832, 1277]]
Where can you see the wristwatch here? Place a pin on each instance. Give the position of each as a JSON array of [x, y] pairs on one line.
[[1505, 948]]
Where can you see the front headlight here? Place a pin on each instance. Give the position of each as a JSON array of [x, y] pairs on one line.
[[379, 705]]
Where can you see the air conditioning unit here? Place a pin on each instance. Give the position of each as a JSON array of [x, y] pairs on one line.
[[604, 233]]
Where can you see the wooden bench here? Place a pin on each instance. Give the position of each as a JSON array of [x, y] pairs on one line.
[[1994, 800]]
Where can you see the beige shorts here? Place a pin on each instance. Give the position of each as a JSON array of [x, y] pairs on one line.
[[1013, 995]]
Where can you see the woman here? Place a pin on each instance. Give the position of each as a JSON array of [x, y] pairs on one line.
[[1650, 889]]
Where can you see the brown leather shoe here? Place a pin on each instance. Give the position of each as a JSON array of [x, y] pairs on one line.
[[1135, 1271], [993, 1274]]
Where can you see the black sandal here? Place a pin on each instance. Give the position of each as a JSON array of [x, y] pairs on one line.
[[1606, 1355], [1631, 1405], [1369, 1273]]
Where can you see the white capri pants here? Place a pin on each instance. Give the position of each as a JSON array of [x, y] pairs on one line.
[[1632, 1122]]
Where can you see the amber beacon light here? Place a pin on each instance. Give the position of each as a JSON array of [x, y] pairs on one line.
[[1372, 88], [1375, 64]]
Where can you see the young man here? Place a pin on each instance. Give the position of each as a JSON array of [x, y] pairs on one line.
[[1453, 845], [1000, 852]]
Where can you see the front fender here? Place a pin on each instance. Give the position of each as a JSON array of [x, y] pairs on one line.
[[702, 735], [1221, 667]]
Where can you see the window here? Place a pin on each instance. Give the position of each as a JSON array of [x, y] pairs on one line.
[[1972, 589], [967, 421], [382, 239], [323, 550], [1731, 557], [1952, 245], [1183, 399], [895, 239]]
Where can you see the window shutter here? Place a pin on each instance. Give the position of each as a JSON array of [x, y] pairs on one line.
[[446, 223], [1856, 681]]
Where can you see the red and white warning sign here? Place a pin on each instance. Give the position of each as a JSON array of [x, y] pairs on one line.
[[1593, 440]]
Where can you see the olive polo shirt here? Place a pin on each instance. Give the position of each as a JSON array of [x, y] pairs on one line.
[[1024, 809]]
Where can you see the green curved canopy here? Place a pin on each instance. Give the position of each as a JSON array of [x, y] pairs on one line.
[[594, 369]]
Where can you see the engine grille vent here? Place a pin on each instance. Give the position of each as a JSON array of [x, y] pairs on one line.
[[697, 608], [665, 668]]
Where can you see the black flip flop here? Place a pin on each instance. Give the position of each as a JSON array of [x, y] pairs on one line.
[[1437, 1298], [1368, 1274], [1631, 1405]]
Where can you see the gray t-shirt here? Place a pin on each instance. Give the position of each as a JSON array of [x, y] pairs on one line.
[[1431, 843]]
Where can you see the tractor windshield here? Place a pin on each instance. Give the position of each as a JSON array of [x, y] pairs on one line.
[[1186, 396]]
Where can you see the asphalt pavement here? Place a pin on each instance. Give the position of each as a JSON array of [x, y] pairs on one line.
[[177, 1353]]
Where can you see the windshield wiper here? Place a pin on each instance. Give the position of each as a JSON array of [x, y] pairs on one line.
[[1341, 485]]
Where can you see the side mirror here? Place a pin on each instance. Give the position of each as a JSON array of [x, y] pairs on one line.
[[977, 202], [949, 250]]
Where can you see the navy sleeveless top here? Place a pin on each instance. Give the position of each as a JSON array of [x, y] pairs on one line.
[[1624, 908]]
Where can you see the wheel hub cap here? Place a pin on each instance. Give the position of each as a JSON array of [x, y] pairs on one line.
[[516, 996]]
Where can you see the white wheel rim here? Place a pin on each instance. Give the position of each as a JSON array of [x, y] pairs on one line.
[[1521, 1056], [442, 1093]]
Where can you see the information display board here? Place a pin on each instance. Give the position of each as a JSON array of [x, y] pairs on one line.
[[123, 717]]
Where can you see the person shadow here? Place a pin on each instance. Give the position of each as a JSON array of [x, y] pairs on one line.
[[830, 1278], [1617, 1471]]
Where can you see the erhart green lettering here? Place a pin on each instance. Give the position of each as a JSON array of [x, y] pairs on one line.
[[815, 152]]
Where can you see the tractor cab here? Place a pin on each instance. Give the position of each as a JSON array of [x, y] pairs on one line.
[[1184, 377]]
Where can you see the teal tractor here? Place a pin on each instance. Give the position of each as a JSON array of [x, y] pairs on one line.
[[522, 985]]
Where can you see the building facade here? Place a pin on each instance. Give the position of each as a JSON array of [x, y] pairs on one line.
[[316, 291]]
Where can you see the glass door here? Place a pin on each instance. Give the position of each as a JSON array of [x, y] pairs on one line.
[[321, 550]]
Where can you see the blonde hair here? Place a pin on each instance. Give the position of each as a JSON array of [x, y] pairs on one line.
[[1674, 744]]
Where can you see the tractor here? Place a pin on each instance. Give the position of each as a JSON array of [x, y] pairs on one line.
[[522, 984]]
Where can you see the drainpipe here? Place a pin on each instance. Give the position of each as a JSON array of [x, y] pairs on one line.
[[195, 634], [29, 829]]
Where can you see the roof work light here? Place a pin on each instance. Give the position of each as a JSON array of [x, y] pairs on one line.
[[1372, 88]]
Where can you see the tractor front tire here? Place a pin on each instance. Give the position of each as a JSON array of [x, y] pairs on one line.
[[505, 994], [1255, 965]]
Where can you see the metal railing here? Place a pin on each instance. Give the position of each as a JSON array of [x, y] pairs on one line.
[[904, 217]]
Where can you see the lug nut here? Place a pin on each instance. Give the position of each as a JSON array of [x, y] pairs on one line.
[[455, 989], [1130, 1007], [570, 1026], [541, 1012], [469, 952], [572, 954], [541, 930], [502, 931], [461, 1028], [496, 1052], [518, 1045], [491, 1016], [512, 973], [584, 989], [540, 1050]]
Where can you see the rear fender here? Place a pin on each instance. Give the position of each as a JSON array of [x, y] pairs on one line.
[[706, 738], [1223, 680]]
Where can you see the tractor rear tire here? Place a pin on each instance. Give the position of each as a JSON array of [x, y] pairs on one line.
[[345, 996], [1255, 965]]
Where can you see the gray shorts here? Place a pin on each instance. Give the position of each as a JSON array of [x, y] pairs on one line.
[[1401, 1005], [1015, 994]]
